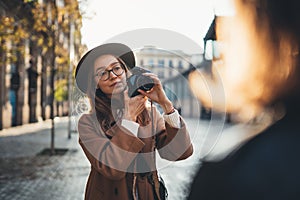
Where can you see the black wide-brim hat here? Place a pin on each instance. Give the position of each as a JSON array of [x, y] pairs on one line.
[[86, 63]]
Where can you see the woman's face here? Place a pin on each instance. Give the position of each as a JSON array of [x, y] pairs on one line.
[[109, 74]]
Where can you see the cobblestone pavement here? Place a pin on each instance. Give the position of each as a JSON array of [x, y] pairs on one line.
[[25, 174]]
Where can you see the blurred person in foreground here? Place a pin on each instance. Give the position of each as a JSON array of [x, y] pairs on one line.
[[121, 133], [261, 71]]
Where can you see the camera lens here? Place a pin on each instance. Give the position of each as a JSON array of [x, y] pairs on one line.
[[138, 81], [144, 83]]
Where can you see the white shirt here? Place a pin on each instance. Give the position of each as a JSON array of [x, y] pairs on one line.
[[172, 119]]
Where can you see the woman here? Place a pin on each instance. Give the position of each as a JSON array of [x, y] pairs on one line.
[[267, 166], [121, 134]]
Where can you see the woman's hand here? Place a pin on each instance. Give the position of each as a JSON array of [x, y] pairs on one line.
[[133, 106], [157, 93]]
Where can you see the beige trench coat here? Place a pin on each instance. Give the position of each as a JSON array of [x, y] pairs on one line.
[[122, 162]]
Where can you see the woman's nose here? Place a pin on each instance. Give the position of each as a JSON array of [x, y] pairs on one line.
[[112, 75]]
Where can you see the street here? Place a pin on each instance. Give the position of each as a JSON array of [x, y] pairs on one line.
[[28, 174]]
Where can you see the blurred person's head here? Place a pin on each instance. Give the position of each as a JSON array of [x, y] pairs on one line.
[[261, 54]]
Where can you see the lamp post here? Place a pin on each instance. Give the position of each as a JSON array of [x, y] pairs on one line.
[[2, 83], [71, 57], [53, 71]]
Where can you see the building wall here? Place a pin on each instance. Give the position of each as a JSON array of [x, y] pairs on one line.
[[171, 67], [165, 63]]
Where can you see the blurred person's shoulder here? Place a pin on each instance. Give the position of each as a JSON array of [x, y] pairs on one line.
[[266, 164]]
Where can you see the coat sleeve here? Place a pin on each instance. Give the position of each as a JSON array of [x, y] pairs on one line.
[[172, 143], [109, 156]]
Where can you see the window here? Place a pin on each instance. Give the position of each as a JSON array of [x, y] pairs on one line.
[[209, 50], [161, 63], [171, 63], [161, 74], [151, 62], [180, 65]]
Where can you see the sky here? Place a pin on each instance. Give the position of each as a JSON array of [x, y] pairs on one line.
[[105, 19]]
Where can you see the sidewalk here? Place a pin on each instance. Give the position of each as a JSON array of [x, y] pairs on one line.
[[26, 175]]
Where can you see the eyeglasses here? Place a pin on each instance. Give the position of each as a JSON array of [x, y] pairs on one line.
[[104, 75]]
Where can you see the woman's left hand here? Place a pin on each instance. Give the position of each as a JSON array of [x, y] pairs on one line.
[[157, 93]]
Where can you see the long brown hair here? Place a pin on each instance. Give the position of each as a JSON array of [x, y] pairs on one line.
[[109, 110]]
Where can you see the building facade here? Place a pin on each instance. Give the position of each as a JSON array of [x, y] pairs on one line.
[[173, 67]]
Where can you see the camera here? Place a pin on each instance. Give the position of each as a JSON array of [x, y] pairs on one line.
[[138, 81]]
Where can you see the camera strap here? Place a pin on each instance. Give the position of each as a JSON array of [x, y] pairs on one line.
[[151, 116]]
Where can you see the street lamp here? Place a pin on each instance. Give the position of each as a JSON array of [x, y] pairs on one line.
[[71, 58]]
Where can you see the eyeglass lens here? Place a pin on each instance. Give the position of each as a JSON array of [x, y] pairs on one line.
[[117, 70]]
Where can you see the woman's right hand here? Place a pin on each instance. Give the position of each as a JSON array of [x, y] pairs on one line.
[[133, 106]]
